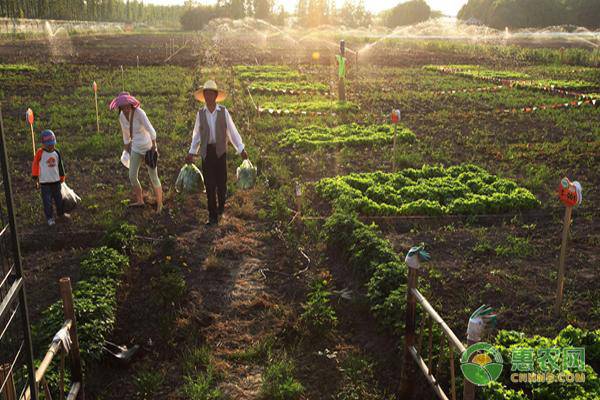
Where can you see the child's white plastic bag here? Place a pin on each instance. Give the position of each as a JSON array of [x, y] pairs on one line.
[[125, 159], [69, 198], [189, 180], [246, 175]]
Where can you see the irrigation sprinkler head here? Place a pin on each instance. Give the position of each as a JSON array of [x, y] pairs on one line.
[[396, 115], [30, 117], [482, 321], [95, 87], [342, 47], [415, 255]]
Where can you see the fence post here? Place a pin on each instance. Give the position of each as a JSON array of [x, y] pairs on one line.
[[468, 387], [407, 381], [66, 295], [9, 392]]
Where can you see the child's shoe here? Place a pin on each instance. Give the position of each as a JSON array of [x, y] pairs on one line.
[[51, 222]]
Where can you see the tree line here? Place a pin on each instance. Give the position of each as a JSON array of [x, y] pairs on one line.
[[533, 13], [91, 10]]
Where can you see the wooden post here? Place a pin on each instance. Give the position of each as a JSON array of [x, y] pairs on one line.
[[298, 193], [561, 262], [407, 380], [123, 78], [468, 387], [95, 87], [394, 148], [66, 295], [9, 392], [342, 79], [30, 120]]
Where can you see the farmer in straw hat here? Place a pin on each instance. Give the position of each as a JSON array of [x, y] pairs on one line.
[[139, 138], [213, 128]]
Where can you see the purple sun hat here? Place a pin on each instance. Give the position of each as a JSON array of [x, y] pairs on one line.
[[123, 99]]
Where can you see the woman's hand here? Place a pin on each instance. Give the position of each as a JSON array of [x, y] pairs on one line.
[[244, 154], [154, 147], [189, 159]]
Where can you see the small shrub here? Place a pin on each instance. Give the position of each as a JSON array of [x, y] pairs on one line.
[[279, 382], [318, 316], [121, 237], [147, 383], [104, 262]]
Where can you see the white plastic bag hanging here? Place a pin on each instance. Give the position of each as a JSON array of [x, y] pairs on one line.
[[246, 175], [69, 198], [125, 159]]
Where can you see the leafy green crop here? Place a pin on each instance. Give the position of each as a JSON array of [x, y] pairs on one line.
[[352, 134], [475, 71], [95, 302], [17, 68], [431, 190], [289, 86], [260, 68], [270, 75], [506, 341], [312, 106]]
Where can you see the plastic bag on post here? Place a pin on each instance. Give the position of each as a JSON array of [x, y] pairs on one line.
[[246, 175], [189, 180], [69, 198]]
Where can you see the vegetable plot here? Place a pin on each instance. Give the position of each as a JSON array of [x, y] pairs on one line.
[[431, 190], [288, 87], [309, 106], [311, 137]]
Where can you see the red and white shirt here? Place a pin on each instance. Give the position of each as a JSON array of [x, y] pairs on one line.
[[48, 166]]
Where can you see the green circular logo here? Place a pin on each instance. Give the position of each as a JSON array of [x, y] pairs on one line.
[[481, 363]]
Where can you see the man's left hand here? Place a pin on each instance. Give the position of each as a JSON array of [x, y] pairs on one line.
[[244, 155]]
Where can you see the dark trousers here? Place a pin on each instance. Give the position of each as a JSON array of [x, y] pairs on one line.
[[50, 192], [214, 170]]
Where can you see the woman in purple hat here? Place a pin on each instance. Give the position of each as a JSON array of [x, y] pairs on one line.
[[139, 138]]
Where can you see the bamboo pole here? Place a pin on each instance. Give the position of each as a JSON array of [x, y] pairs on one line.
[[66, 295], [9, 392], [561, 262]]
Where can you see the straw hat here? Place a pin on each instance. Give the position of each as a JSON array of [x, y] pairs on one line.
[[209, 85]]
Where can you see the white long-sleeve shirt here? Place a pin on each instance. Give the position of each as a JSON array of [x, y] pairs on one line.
[[143, 131], [211, 117]]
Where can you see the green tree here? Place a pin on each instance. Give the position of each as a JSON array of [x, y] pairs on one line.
[[408, 13]]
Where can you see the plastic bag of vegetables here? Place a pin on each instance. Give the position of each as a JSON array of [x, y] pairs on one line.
[[246, 175], [190, 180], [69, 198]]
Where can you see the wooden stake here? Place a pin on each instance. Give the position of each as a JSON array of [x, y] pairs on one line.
[[32, 140], [407, 378], [468, 387], [97, 114], [9, 392], [561, 262], [66, 295], [123, 78], [394, 148]]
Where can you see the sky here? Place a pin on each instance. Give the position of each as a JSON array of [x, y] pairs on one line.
[[448, 7]]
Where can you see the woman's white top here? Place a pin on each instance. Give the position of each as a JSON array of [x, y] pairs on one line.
[[143, 131]]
